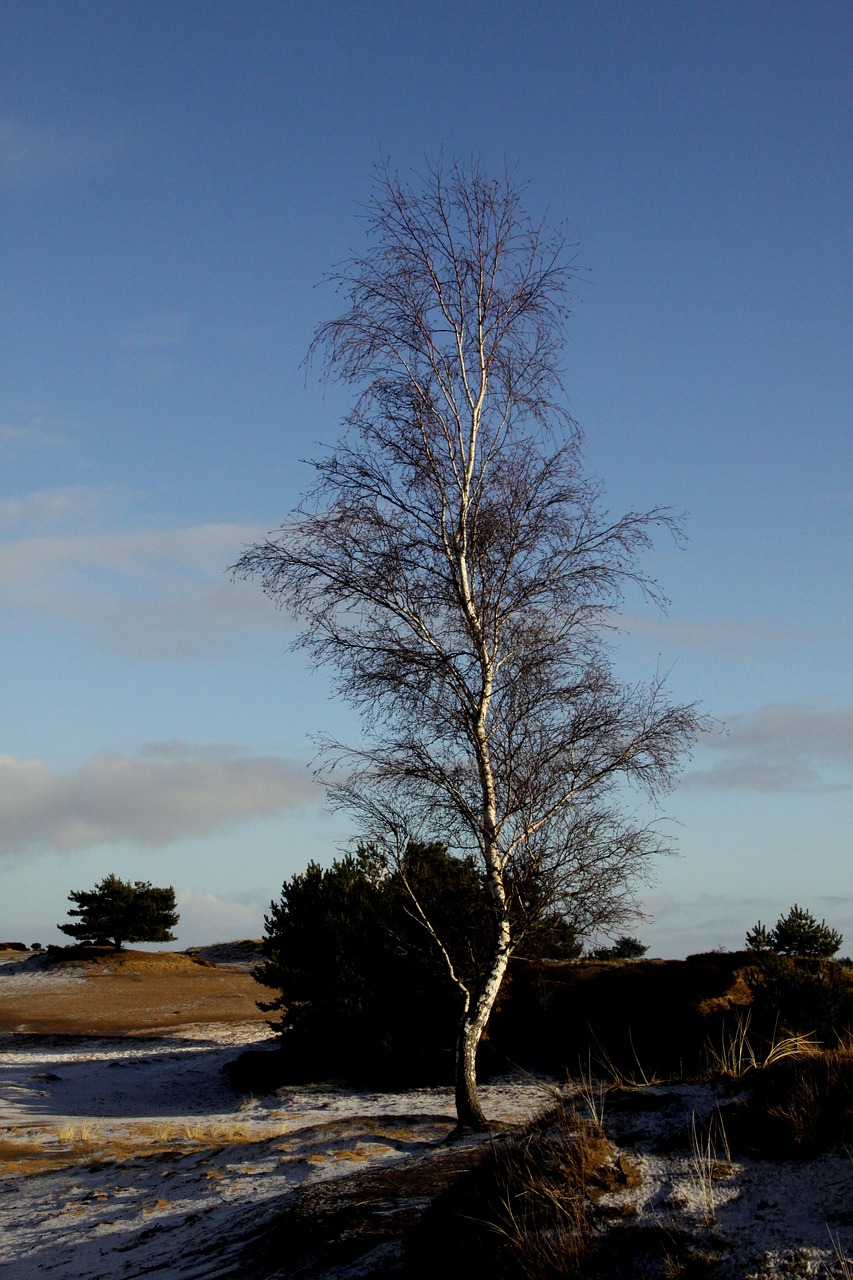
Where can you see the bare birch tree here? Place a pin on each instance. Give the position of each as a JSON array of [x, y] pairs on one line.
[[455, 568]]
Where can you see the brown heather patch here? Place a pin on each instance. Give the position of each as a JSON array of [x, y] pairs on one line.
[[80, 1143], [124, 993]]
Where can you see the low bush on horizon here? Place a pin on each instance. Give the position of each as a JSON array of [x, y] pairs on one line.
[[796, 934], [624, 948]]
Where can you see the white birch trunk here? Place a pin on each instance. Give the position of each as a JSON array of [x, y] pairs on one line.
[[468, 1110], [423, 552]]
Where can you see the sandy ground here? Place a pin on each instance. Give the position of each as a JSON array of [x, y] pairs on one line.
[[128, 1155], [130, 993]]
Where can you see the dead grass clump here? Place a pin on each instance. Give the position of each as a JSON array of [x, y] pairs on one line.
[[211, 1134], [78, 1133], [682, 1258], [710, 1161], [842, 1265], [799, 1105], [28, 1155], [527, 1210], [738, 1055], [40, 1151]]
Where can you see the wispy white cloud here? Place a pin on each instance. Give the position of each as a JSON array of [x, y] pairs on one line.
[[781, 747], [156, 334], [32, 151], [151, 799], [16, 439], [68, 508], [733, 639], [208, 918], [139, 590]]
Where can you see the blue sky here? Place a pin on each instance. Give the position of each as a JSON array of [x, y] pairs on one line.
[[175, 180]]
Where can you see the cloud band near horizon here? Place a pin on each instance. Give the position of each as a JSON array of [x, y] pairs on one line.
[[166, 793]]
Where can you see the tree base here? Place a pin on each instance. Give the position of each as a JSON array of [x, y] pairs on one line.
[[461, 1130]]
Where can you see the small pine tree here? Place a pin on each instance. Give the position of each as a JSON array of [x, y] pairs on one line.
[[624, 948], [799, 934], [796, 934], [117, 911], [758, 938]]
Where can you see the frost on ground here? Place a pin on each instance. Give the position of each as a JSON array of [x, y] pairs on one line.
[[131, 1156], [716, 1213], [136, 1159], [123, 1160]]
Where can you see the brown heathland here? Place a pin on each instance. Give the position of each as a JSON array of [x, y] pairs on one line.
[[105, 993]]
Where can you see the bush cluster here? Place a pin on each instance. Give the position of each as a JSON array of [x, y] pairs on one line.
[[624, 948], [795, 934], [362, 989], [795, 996]]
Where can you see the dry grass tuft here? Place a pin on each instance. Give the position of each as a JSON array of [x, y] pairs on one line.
[[798, 1106], [528, 1209], [711, 1160], [637, 1077], [82, 1134], [540, 1205], [737, 1055], [842, 1265]]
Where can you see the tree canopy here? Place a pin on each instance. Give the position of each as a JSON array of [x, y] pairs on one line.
[[119, 911], [458, 571], [360, 985]]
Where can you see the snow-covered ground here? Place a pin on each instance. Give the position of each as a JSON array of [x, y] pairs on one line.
[[756, 1218], [132, 1156], [163, 1167]]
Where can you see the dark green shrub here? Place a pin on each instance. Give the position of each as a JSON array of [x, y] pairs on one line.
[[362, 987], [796, 934], [799, 997], [624, 948]]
